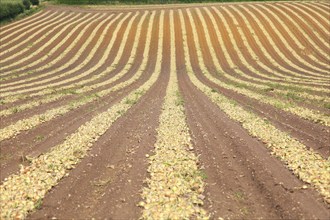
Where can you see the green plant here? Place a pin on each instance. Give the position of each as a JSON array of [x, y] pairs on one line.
[[293, 96], [214, 90], [179, 100], [35, 2], [38, 204], [14, 110], [39, 138], [130, 101], [202, 174], [10, 10], [239, 195], [27, 4], [327, 105]]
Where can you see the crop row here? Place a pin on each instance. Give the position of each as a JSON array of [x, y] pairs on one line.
[[80, 87], [175, 185], [282, 104], [28, 123], [261, 85], [268, 85], [285, 59], [306, 164], [220, 69], [20, 193], [39, 85]]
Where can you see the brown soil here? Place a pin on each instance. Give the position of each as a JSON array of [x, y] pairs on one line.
[[21, 30], [244, 181], [300, 37], [313, 135], [78, 62], [240, 183], [114, 171], [29, 141], [46, 51]]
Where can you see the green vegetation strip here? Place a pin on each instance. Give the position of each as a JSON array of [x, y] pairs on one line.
[[175, 185], [31, 122], [306, 164], [23, 192]]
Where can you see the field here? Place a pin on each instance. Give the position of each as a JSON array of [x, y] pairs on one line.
[[217, 111]]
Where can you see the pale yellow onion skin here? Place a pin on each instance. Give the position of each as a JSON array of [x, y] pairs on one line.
[[32, 28], [14, 74], [175, 185], [20, 193], [31, 122], [306, 164], [287, 29], [60, 19], [296, 78], [61, 92], [302, 112], [40, 85], [244, 61], [264, 84]]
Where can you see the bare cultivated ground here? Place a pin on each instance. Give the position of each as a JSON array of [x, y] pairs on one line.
[[216, 111]]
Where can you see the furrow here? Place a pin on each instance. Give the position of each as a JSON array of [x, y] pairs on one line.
[[29, 123], [254, 56], [296, 76], [236, 80], [322, 5], [33, 65], [263, 109], [324, 11], [72, 26], [301, 53], [284, 105], [68, 90], [21, 69], [71, 71], [20, 193], [124, 145], [316, 21], [304, 20], [10, 32], [243, 60], [175, 184], [296, 40], [71, 119], [51, 24], [80, 52], [298, 56], [305, 164]]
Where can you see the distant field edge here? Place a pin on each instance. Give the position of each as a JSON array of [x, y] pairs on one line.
[[155, 2]]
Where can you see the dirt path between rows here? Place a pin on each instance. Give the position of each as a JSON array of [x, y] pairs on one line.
[[41, 138], [313, 135], [243, 180], [112, 175]]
